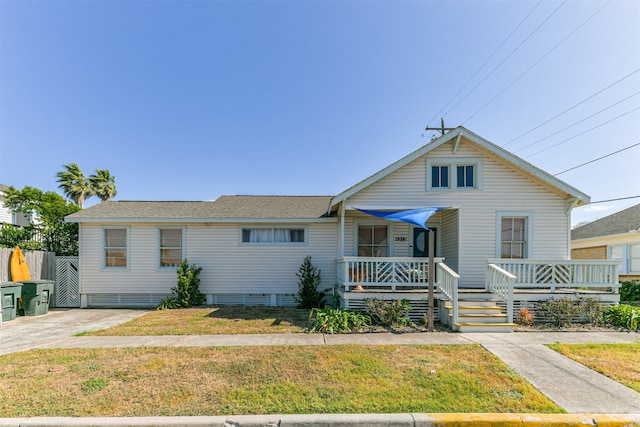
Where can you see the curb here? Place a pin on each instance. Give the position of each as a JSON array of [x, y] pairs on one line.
[[335, 420]]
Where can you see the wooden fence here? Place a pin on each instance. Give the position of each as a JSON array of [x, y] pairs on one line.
[[42, 265]]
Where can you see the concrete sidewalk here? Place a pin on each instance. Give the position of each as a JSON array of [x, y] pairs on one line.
[[575, 388]]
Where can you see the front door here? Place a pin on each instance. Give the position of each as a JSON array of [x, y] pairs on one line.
[[421, 242]]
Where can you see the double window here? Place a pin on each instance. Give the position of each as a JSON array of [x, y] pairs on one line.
[[453, 173], [273, 235], [115, 247], [629, 255]]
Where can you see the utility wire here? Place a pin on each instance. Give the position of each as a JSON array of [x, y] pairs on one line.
[[485, 62], [615, 200], [582, 133], [575, 123], [571, 108], [537, 62], [599, 158], [507, 57]]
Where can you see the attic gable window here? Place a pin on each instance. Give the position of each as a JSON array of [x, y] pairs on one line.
[[273, 235], [455, 173]]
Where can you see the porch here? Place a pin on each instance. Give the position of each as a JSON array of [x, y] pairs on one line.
[[509, 285]]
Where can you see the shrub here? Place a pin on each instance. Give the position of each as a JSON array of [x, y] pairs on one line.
[[331, 320], [624, 316], [561, 310], [308, 281], [525, 317], [187, 292], [591, 309], [630, 291], [388, 313]]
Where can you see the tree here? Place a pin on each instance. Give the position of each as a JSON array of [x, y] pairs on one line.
[[308, 282], [57, 235], [74, 184], [103, 184]]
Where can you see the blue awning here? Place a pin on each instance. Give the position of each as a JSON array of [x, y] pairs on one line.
[[417, 217]]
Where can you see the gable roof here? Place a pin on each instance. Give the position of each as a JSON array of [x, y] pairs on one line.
[[618, 223], [454, 135], [223, 209]]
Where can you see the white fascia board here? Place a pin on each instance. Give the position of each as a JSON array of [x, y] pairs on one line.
[[203, 220]]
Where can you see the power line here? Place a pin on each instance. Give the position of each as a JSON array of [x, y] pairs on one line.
[[599, 158], [537, 62], [575, 123], [485, 62], [615, 200], [582, 133], [507, 57], [571, 108]]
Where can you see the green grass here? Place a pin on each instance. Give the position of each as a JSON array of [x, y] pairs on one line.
[[262, 380], [620, 362], [213, 320]]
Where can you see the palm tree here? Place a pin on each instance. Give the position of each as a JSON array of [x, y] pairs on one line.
[[74, 184], [103, 184]]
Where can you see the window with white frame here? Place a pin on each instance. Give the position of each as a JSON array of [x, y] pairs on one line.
[[514, 238], [373, 240], [115, 247], [458, 173], [274, 235], [629, 255], [170, 246]]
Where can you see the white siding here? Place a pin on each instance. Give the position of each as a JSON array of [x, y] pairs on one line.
[[228, 267], [503, 189], [5, 213]]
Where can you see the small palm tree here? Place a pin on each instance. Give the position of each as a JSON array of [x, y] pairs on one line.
[[103, 184], [74, 184]]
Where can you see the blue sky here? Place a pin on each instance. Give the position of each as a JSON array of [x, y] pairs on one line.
[[189, 100]]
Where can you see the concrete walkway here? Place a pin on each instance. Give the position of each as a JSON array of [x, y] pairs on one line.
[[575, 388]]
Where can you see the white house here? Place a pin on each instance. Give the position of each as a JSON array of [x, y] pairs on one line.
[[495, 213], [9, 216], [614, 237]]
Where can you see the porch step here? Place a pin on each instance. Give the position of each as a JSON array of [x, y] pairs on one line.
[[482, 318], [473, 309], [485, 327]]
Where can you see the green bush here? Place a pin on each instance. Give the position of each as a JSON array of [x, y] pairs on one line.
[[624, 316], [591, 309], [330, 320], [388, 313], [630, 291], [187, 292], [308, 281]]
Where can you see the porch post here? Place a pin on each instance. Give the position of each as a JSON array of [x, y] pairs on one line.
[[341, 232], [432, 273]]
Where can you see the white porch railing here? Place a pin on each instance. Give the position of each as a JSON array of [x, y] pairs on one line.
[[567, 274], [392, 273], [448, 285], [500, 283]]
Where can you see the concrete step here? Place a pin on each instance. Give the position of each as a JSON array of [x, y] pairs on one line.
[[485, 327]]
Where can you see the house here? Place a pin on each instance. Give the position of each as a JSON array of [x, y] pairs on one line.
[[492, 216], [614, 237], [8, 216]]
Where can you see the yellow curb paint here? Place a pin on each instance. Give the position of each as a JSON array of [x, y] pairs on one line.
[[533, 420]]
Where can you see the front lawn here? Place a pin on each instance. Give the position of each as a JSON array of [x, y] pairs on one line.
[[620, 362], [262, 380]]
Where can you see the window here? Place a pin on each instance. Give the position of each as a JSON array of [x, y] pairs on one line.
[[170, 246], [458, 173], [440, 176], [629, 255], [634, 258], [513, 238], [115, 247], [465, 176], [273, 235], [373, 240]]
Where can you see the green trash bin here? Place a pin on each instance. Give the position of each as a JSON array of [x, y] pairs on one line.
[[10, 293], [36, 295]]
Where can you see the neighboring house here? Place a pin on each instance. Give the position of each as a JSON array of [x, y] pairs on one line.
[[493, 208], [8, 216], [614, 237]]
